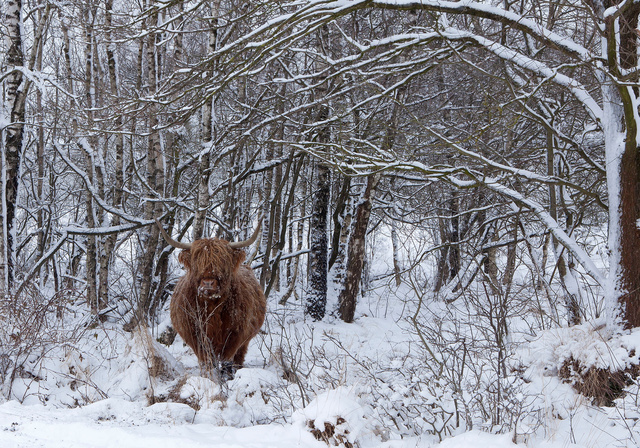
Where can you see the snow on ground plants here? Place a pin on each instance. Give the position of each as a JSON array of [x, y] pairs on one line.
[[414, 370]]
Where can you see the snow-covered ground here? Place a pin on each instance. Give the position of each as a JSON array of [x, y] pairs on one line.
[[400, 376], [118, 423]]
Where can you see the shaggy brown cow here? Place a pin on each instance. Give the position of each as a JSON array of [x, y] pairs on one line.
[[218, 306]]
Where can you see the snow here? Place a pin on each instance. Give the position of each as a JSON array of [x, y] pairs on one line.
[[400, 376], [478, 439], [124, 424], [120, 423], [350, 378], [614, 148], [308, 384]]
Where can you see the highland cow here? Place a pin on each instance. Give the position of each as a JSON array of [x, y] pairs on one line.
[[218, 306]]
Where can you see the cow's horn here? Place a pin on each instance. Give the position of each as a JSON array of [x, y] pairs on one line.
[[252, 239], [171, 241]]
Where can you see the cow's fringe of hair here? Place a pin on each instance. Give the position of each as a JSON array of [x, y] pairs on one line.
[[226, 259]]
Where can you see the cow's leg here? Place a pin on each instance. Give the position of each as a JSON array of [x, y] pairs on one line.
[[238, 359], [227, 371], [233, 356], [227, 366]]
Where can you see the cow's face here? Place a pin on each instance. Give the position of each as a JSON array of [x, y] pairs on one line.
[[211, 264]]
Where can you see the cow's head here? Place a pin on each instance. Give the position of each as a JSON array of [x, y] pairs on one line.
[[211, 262]]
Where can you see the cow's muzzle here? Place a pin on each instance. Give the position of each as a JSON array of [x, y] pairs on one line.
[[209, 289]]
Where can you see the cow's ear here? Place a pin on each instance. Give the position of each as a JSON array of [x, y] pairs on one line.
[[185, 258], [238, 258]]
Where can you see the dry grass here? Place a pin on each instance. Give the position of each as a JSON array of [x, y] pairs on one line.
[[602, 385], [331, 435]]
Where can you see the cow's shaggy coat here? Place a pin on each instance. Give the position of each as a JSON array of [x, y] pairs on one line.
[[218, 306]]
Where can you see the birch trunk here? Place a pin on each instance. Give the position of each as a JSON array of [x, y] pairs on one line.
[[273, 207], [155, 180], [88, 147], [16, 91], [208, 134], [13, 136], [118, 148], [73, 266]]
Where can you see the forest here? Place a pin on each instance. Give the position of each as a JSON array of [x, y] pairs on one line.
[[448, 195]]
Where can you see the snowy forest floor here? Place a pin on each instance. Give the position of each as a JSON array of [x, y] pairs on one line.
[[410, 372]]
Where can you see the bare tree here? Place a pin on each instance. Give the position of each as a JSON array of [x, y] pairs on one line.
[[319, 233], [17, 88], [533, 74]]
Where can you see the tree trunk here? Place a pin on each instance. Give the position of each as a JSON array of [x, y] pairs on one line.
[[317, 296], [71, 273], [278, 247], [490, 263], [449, 259], [443, 257], [41, 216], [397, 266], [273, 203], [510, 267], [88, 146], [341, 226], [316, 304], [15, 97], [117, 190], [155, 180], [208, 133], [15, 100], [355, 258], [630, 179], [623, 168]]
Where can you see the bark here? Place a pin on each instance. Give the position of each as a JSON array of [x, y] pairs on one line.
[[90, 161], [273, 205], [40, 191], [118, 148], [630, 236], [630, 182], [341, 226], [343, 214], [16, 92], [397, 267], [443, 256], [317, 296], [454, 237], [232, 203], [624, 221], [204, 171], [15, 101], [278, 248], [316, 303], [155, 180], [355, 259], [208, 131], [71, 273], [510, 267], [276, 226], [298, 230], [490, 263], [572, 304], [449, 257]]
